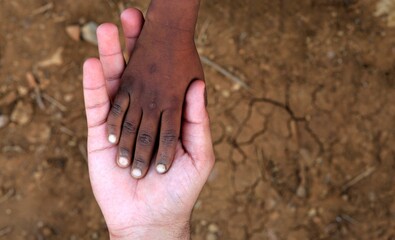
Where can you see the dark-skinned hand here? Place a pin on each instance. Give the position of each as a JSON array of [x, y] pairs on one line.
[[145, 117]]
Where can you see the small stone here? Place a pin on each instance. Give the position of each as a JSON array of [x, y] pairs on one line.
[[95, 235], [39, 134], [330, 54], [74, 32], [211, 236], [22, 113], [68, 97], [225, 93], [8, 211], [236, 87], [229, 129], [4, 120], [213, 228], [88, 32], [22, 91], [301, 192], [55, 59], [312, 212], [8, 99], [46, 231]]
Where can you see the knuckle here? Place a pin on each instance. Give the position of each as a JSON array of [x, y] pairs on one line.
[[152, 105], [116, 109], [123, 150], [139, 161], [129, 127], [169, 137], [145, 139], [164, 158]]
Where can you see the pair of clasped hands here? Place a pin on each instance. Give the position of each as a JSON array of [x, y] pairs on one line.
[[149, 144]]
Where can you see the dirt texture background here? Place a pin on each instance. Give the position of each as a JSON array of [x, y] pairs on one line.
[[305, 149]]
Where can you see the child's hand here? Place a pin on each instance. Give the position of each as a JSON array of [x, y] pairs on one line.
[[145, 117], [158, 206]]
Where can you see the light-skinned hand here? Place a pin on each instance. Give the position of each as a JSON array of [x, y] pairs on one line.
[[158, 206]]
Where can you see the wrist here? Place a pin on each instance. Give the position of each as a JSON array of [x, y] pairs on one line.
[[174, 14], [177, 231]]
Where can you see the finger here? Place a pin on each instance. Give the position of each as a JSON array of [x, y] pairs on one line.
[[97, 103], [145, 144], [196, 136], [168, 139], [129, 133], [132, 22], [110, 56], [116, 116]]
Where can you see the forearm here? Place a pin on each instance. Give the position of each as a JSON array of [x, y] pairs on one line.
[[180, 14], [173, 232]]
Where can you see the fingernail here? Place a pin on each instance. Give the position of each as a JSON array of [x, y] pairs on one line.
[[136, 173], [161, 168], [123, 161], [112, 138]]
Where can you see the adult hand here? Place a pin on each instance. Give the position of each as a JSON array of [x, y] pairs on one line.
[[157, 206]]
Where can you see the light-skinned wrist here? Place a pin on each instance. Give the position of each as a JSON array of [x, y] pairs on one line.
[[178, 231]]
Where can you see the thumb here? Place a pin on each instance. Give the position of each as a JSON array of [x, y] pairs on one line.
[[196, 135]]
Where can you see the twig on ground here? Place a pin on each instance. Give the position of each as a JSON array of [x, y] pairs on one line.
[[67, 131], [55, 102], [82, 148], [202, 35], [31, 80], [224, 72], [5, 230], [358, 178], [7, 196], [43, 9]]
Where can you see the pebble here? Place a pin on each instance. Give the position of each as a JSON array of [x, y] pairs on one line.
[[74, 32], [68, 97], [9, 98], [39, 134], [225, 93], [22, 91], [4, 120], [301, 192], [88, 32], [46, 231], [213, 228], [22, 113], [211, 236]]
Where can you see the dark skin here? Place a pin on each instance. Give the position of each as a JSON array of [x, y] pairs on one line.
[[145, 117]]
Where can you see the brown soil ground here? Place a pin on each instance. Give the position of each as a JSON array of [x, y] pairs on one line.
[[307, 152]]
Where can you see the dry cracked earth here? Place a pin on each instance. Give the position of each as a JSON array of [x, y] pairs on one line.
[[303, 120]]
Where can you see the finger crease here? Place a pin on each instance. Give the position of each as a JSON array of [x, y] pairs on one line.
[[98, 124], [110, 54], [94, 88], [99, 105], [101, 149], [113, 78]]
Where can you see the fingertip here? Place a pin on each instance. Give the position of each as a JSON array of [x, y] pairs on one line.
[[196, 87], [137, 173], [106, 29], [123, 162], [92, 72], [90, 62], [133, 19], [161, 168]]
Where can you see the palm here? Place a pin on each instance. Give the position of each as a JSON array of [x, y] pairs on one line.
[[137, 198], [125, 201]]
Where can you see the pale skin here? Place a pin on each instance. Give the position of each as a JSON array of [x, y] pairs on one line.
[[157, 206]]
